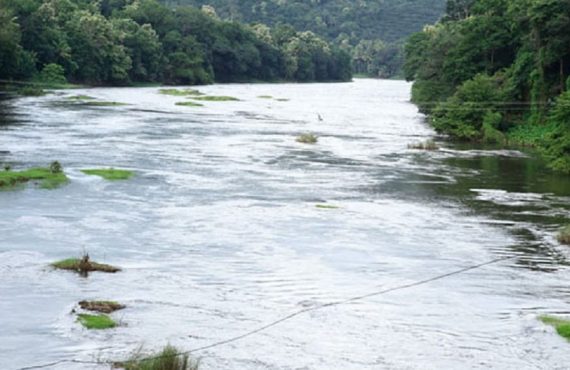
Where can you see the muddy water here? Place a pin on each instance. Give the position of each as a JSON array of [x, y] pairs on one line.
[[219, 233]]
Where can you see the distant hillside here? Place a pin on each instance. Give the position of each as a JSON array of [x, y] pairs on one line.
[[388, 20], [347, 22]]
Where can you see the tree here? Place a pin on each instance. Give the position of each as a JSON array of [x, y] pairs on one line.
[[97, 49]]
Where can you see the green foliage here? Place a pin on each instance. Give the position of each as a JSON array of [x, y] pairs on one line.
[[371, 31], [31, 90], [170, 358], [557, 146], [491, 122], [15, 61], [389, 20], [529, 134], [474, 103], [116, 42], [55, 167], [497, 70], [97, 322], [562, 326], [52, 74], [46, 178], [110, 174]]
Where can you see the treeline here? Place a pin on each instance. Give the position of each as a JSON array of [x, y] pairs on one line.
[[497, 71], [118, 42], [372, 31]]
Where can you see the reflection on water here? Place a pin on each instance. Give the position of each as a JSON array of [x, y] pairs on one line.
[[219, 233]]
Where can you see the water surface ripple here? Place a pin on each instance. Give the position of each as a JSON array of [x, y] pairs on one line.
[[219, 233]]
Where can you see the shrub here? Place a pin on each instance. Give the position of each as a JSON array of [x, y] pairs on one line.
[[170, 358], [462, 116], [53, 74], [31, 90], [55, 167]]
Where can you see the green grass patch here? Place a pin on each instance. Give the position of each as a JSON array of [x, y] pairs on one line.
[[564, 235], [101, 306], [170, 358], [530, 134], [104, 104], [46, 177], [97, 322], [110, 174], [426, 145], [189, 104], [216, 98], [265, 97], [83, 265], [177, 92], [562, 326], [307, 139], [326, 206]]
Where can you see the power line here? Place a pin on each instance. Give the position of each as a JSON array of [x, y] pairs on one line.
[[290, 316]]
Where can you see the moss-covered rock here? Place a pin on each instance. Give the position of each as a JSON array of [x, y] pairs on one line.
[[307, 139], [101, 306]]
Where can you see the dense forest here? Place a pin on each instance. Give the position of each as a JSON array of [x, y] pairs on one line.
[[497, 71], [371, 30], [118, 42]]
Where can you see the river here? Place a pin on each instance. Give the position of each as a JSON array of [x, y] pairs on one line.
[[219, 233]]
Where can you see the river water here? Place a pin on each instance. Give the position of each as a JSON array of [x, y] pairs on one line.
[[219, 233]]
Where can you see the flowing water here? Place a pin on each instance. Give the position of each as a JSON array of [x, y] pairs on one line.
[[219, 233]]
